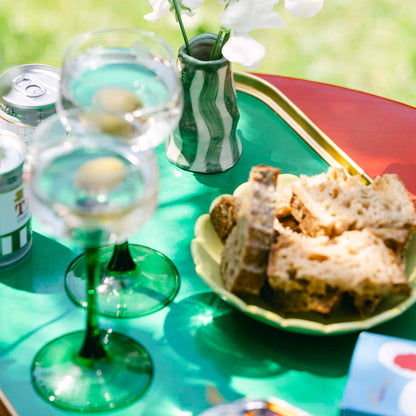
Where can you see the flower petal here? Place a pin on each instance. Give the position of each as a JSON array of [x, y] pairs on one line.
[[192, 4], [160, 9], [304, 8], [243, 49], [243, 16]]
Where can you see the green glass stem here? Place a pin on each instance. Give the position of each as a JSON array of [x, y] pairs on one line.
[[121, 260], [92, 347]]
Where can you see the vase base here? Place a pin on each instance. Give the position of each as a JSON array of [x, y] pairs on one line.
[[203, 165]]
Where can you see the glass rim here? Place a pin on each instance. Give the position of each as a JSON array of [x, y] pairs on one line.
[[147, 158], [174, 94], [78, 40]]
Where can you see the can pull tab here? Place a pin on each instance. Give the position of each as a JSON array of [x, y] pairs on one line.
[[29, 85]]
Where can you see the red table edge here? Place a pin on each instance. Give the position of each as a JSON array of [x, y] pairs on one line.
[[272, 79], [369, 155]]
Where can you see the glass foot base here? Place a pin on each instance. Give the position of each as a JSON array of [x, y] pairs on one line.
[[147, 289], [70, 382]]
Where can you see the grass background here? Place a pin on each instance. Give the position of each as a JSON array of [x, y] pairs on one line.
[[368, 45]]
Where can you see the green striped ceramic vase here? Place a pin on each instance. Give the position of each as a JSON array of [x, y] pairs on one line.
[[206, 139]]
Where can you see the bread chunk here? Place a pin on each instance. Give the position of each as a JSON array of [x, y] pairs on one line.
[[244, 257], [332, 203], [223, 213], [283, 200], [313, 273]]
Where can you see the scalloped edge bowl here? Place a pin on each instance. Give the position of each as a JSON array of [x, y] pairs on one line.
[[206, 250]]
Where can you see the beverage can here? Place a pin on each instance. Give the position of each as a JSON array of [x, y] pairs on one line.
[[15, 228], [28, 94]]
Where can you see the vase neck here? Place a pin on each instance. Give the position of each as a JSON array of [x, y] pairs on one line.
[[201, 47]]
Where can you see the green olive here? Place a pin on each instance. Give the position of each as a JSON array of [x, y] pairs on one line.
[[100, 175], [117, 100]]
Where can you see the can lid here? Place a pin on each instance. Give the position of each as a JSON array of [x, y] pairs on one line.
[[31, 86], [12, 152]]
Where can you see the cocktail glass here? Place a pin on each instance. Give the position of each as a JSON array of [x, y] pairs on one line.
[[92, 188], [129, 77]]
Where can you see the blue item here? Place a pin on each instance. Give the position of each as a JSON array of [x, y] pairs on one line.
[[382, 377]]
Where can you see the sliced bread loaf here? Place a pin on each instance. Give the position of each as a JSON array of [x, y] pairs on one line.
[[244, 257]]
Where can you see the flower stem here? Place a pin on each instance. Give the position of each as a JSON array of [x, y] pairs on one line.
[[179, 18], [226, 37], [214, 53], [222, 37]]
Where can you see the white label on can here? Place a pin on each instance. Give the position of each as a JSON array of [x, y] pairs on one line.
[[14, 221], [24, 132]]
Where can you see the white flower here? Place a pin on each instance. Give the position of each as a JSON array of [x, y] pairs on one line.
[[243, 49], [239, 18], [162, 7], [304, 8], [243, 16], [192, 4]]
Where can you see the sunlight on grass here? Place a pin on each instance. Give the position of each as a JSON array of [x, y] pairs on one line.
[[366, 45]]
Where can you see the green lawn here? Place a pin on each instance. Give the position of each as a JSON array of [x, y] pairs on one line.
[[367, 45]]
